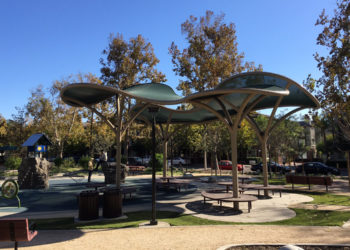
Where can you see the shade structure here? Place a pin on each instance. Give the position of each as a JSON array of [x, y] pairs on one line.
[[237, 96]]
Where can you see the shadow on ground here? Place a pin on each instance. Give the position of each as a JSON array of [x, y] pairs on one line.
[[211, 209]]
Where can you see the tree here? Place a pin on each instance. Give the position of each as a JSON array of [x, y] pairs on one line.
[[3, 129], [18, 128], [211, 56], [62, 123], [333, 87], [126, 64]]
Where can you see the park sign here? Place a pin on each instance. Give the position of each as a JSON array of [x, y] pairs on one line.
[[41, 148]]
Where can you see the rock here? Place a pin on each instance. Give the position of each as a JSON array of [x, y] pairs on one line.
[[33, 173], [109, 171]]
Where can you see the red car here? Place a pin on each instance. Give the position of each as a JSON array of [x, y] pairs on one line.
[[227, 165]]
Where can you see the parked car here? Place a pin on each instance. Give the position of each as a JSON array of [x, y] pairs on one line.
[[178, 161], [146, 160], [227, 165], [317, 168], [272, 167], [134, 161]]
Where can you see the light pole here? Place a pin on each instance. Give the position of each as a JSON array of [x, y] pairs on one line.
[[153, 111]]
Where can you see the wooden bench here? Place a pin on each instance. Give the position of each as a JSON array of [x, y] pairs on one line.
[[227, 197], [16, 229], [309, 180], [128, 190], [133, 170], [258, 187], [175, 183]]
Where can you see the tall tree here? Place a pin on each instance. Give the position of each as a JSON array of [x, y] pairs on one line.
[[62, 123], [333, 87], [3, 129], [211, 56], [126, 63]]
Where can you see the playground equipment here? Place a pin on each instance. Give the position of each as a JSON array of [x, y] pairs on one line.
[[9, 190]]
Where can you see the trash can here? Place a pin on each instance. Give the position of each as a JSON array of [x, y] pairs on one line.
[[112, 203], [88, 205]]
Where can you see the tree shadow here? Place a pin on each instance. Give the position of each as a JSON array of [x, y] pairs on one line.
[[209, 208]]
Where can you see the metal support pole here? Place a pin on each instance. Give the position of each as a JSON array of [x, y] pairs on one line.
[[165, 156], [153, 219], [265, 167], [234, 167]]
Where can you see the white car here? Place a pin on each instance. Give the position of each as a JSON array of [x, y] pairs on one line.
[[177, 161], [146, 160]]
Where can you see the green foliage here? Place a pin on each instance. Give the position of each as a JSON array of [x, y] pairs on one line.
[[58, 161], [332, 89], [68, 163], [211, 55], [13, 162], [84, 161], [129, 62], [159, 162]]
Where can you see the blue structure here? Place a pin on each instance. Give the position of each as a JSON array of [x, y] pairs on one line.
[[37, 144]]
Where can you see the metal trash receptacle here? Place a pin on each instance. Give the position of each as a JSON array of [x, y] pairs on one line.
[[112, 203], [88, 205]]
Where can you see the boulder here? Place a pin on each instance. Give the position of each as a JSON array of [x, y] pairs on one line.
[[33, 173]]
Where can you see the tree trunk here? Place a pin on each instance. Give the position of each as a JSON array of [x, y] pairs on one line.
[[205, 160], [165, 156], [348, 165]]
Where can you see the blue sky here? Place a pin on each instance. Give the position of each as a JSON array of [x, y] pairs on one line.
[[43, 41]]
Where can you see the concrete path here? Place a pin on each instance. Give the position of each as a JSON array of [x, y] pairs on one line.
[[196, 237], [190, 237]]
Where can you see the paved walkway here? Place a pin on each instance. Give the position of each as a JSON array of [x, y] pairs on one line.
[[197, 237]]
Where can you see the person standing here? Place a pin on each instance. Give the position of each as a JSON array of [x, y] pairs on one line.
[[90, 168], [103, 158]]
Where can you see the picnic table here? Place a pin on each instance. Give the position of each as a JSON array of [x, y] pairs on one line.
[[169, 182], [244, 178], [258, 187], [95, 185], [167, 178], [228, 185], [228, 197]]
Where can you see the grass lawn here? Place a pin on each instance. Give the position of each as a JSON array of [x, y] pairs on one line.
[[326, 198], [303, 217]]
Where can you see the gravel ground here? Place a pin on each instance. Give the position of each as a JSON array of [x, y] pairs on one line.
[[192, 237]]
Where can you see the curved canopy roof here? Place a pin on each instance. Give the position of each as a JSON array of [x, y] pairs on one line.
[[260, 90]]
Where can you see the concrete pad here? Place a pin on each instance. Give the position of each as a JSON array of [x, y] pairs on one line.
[[6, 211], [159, 224], [264, 210]]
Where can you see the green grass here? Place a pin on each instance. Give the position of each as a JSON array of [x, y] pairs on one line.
[[56, 170], [303, 217], [306, 217], [325, 198]]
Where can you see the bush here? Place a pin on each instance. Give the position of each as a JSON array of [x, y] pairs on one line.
[[13, 162], [159, 162], [68, 163], [84, 161], [58, 161]]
